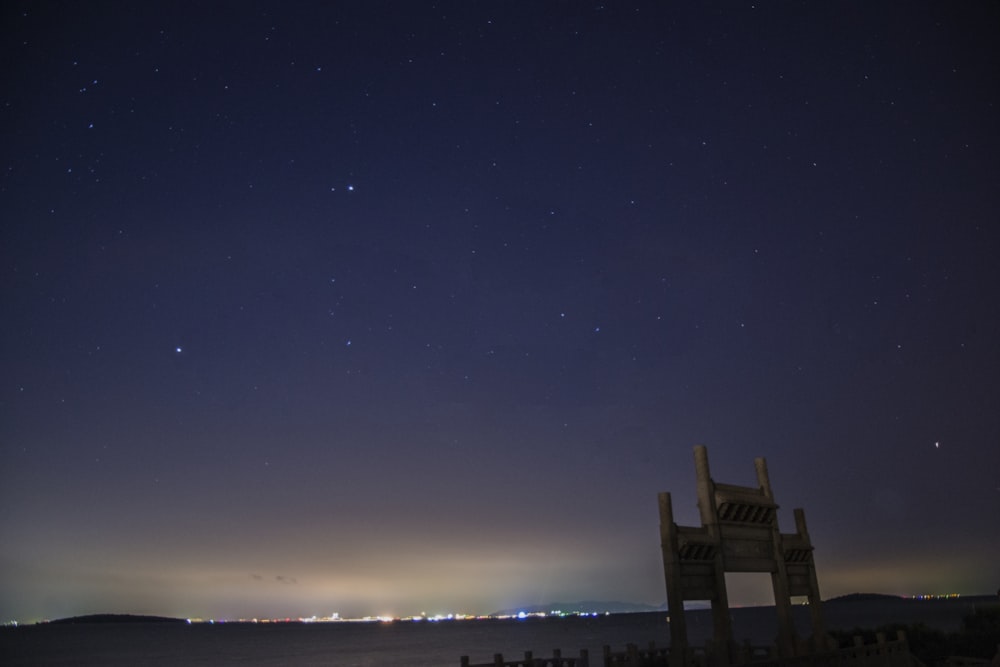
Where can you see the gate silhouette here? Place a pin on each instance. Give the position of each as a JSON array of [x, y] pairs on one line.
[[739, 533]]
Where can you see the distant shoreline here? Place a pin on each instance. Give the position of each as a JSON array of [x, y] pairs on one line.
[[103, 619]]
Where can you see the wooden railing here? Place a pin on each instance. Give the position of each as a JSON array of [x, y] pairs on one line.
[[882, 653], [557, 660]]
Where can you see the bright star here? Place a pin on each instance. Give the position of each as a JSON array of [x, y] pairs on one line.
[[178, 349]]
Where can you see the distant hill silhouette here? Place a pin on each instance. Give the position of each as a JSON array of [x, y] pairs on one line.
[[583, 607], [862, 597], [115, 618]]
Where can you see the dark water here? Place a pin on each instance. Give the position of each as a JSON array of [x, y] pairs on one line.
[[424, 644], [400, 644]]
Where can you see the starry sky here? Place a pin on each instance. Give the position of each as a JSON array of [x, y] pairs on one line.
[[389, 307]]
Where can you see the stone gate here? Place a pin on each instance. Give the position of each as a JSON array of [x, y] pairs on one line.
[[739, 533]]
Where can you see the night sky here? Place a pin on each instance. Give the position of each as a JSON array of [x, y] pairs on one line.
[[390, 307]]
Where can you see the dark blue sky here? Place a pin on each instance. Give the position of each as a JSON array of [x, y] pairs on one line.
[[394, 307]]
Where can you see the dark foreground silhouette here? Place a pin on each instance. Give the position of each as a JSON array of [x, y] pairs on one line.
[[978, 638]]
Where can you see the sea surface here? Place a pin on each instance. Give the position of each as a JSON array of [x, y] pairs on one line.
[[422, 644]]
